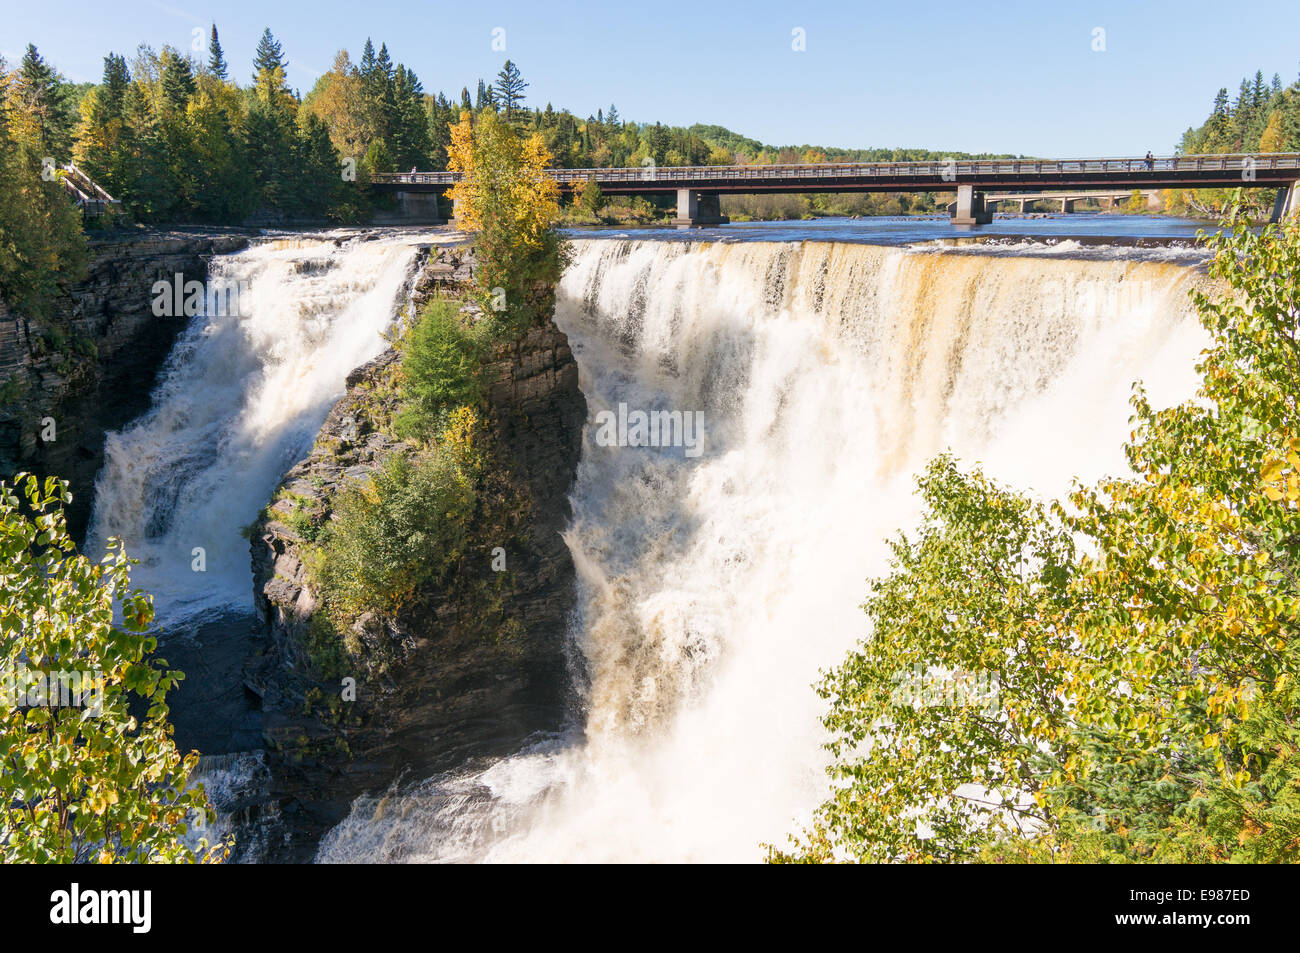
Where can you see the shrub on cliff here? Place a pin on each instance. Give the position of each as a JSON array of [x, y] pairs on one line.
[[407, 525], [402, 527], [440, 370], [81, 777], [1133, 699]]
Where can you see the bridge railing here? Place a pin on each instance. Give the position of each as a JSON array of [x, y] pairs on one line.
[[944, 171]]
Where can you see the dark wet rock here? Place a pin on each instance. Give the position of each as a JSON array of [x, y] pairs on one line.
[[211, 710]]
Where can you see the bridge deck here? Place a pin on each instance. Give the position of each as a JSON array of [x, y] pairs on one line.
[[1090, 193], [934, 176]]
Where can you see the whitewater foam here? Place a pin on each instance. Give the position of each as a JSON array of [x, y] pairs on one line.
[[239, 401], [712, 590]]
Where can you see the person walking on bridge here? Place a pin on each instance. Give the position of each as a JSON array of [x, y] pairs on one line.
[[1150, 160]]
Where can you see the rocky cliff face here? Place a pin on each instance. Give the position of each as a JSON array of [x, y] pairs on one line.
[[474, 666], [91, 366]]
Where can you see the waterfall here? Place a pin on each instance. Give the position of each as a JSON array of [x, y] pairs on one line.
[[242, 395], [713, 588]]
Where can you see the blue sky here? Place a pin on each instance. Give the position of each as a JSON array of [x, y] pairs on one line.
[[1019, 77]]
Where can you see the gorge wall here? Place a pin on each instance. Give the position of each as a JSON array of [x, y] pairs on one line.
[[91, 366]]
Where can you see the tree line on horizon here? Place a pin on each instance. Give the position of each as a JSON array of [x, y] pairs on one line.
[[177, 139], [1264, 117]]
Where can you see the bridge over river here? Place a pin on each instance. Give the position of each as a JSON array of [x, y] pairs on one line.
[[698, 187]]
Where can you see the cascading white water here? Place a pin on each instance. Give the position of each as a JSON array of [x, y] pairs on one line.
[[241, 399], [713, 589]]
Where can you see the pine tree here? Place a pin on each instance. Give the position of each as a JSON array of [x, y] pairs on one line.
[[140, 162], [410, 137], [378, 158], [216, 58], [100, 129], [269, 69], [384, 99], [41, 121], [177, 133], [441, 116], [320, 188], [377, 94], [1243, 98], [509, 89], [269, 56], [113, 86], [366, 66], [464, 98], [269, 142], [177, 80], [1243, 114], [38, 76], [1219, 126], [384, 63]]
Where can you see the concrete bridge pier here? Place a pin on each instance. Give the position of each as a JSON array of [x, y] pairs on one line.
[[699, 208], [419, 208], [969, 208], [1288, 202], [1067, 206]]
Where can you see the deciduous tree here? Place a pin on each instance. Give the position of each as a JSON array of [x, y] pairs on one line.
[[84, 778], [506, 198]]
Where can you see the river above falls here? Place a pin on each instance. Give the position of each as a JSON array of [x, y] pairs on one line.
[[1082, 228]]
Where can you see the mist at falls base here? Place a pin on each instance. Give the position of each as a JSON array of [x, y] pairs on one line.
[[714, 588]]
